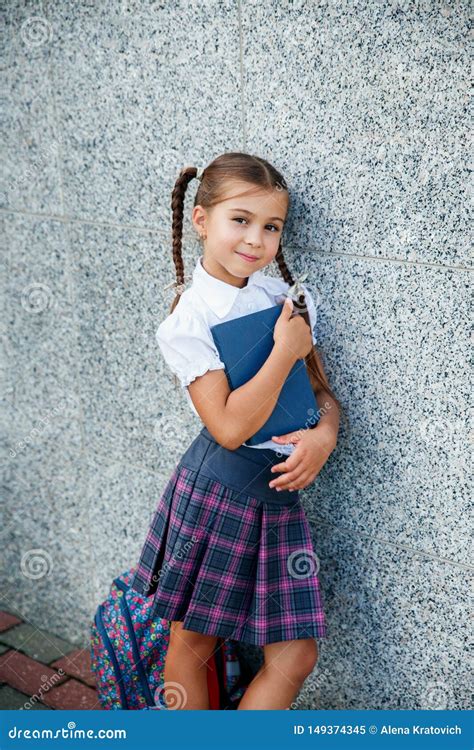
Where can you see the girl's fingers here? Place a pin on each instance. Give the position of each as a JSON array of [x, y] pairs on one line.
[[290, 437], [286, 479], [287, 465], [297, 484], [302, 481]]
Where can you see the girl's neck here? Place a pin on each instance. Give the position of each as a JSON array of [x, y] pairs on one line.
[[213, 268]]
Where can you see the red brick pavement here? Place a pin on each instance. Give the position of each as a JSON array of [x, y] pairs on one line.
[[7, 621], [67, 683]]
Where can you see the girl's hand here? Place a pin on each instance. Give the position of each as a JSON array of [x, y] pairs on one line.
[[292, 331], [313, 448]]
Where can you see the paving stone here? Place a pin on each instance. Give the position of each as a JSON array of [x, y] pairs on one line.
[[28, 675], [77, 664], [72, 695], [11, 699], [8, 620], [10, 610], [39, 644]]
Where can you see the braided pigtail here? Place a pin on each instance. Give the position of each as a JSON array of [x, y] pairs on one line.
[[177, 207], [316, 376]]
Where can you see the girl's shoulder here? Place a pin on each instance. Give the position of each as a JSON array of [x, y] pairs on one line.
[[189, 314], [186, 342]]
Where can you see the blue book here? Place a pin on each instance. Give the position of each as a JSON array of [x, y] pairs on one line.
[[244, 344]]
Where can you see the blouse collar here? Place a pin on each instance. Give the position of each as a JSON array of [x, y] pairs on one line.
[[217, 294]]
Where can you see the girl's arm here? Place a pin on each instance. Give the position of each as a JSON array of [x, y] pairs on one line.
[[329, 412], [329, 419], [312, 447], [233, 416]]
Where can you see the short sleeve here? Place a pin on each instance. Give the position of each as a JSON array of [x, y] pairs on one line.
[[187, 346], [313, 317]]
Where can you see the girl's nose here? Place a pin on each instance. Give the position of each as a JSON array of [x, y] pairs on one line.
[[254, 237]]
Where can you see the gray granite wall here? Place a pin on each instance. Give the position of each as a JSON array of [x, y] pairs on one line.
[[363, 106]]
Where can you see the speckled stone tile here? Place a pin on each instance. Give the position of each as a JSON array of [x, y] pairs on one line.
[[6, 377], [398, 628], [47, 568], [30, 178], [366, 113], [160, 91], [45, 528], [122, 500], [131, 406], [40, 327], [394, 340]]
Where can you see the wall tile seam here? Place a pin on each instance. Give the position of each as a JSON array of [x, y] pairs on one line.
[[190, 237], [107, 459], [316, 522]]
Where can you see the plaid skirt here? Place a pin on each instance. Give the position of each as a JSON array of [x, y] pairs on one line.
[[229, 556]]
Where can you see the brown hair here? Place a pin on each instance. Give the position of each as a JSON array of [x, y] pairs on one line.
[[244, 168]]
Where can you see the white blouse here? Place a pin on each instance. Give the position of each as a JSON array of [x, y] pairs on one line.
[[185, 339]]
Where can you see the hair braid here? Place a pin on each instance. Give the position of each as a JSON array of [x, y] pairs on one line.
[[316, 375], [177, 207], [283, 267]]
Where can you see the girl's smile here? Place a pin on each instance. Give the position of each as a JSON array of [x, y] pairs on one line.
[[248, 258]]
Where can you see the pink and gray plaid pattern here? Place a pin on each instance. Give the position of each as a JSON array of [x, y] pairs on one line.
[[227, 564]]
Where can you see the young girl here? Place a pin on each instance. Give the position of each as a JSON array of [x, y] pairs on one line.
[[229, 549]]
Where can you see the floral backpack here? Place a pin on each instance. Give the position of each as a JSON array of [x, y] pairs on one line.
[[128, 649]]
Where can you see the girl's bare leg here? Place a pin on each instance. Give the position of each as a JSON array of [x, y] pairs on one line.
[[279, 680], [185, 675]]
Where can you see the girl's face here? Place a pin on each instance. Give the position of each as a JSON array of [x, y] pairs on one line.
[[240, 228]]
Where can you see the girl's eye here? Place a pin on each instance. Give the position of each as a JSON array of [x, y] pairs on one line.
[[241, 218]]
